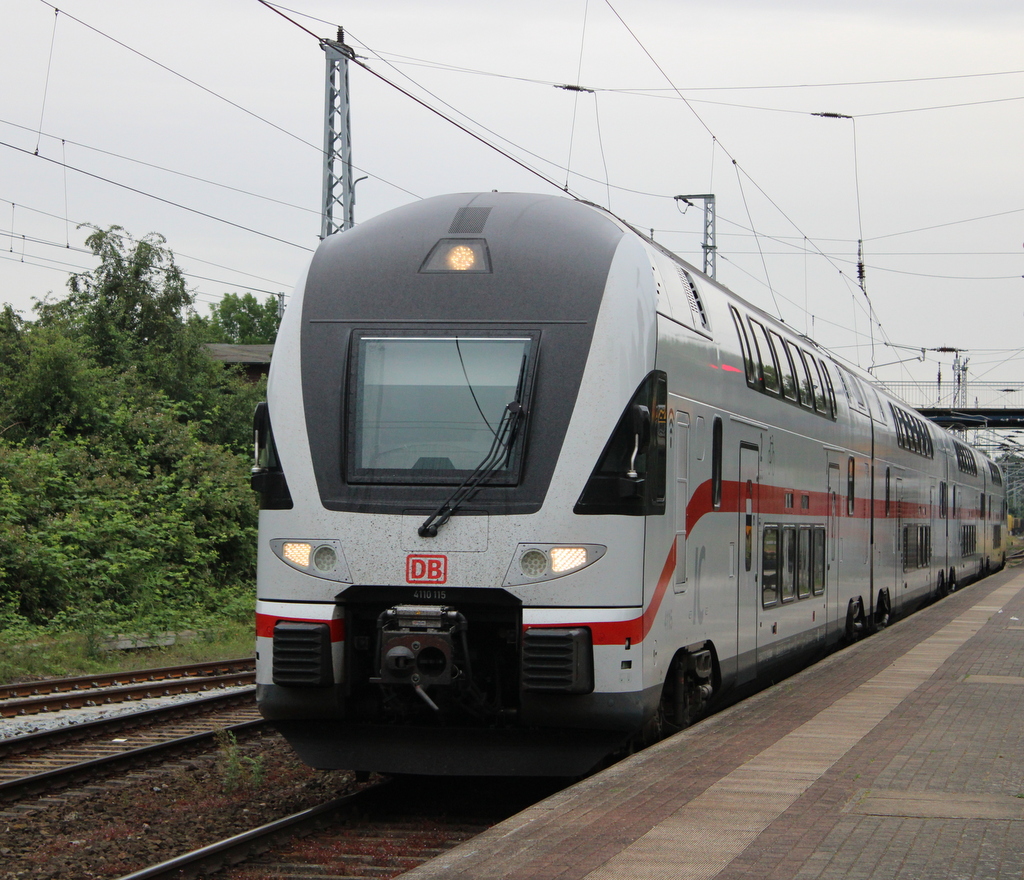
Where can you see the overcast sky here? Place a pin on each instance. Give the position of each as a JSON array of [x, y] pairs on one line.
[[203, 121]]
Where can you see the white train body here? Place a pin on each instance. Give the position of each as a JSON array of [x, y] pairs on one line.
[[684, 496]]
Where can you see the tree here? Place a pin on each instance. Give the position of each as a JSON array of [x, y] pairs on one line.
[[243, 320], [123, 452], [135, 300]]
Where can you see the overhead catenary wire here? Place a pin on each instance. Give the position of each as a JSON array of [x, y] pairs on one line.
[[612, 186]]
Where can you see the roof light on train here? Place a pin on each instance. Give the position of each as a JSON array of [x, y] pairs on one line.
[[460, 258], [458, 255]]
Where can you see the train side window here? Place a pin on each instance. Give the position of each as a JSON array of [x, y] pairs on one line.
[[818, 561], [716, 462], [803, 563], [943, 500], [785, 365], [769, 366], [770, 566], [748, 358], [816, 384], [829, 389], [749, 519], [787, 568], [806, 388], [888, 488], [851, 485]]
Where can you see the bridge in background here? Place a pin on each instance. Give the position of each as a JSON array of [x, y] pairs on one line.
[[979, 406]]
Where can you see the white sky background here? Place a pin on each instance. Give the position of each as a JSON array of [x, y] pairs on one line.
[[752, 73]]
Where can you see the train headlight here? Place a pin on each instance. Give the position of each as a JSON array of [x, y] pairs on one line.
[[297, 553], [533, 563], [566, 559], [322, 559], [325, 559], [538, 562]]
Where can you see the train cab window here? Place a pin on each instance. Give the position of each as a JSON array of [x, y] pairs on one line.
[[803, 563], [630, 475], [787, 565], [786, 366], [433, 409], [769, 366], [818, 561], [770, 566]]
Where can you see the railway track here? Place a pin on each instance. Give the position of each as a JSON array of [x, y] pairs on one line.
[[382, 831], [39, 762], [52, 695]]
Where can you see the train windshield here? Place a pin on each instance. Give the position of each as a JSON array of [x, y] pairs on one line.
[[428, 409]]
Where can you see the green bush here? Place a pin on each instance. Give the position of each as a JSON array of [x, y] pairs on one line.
[[124, 459]]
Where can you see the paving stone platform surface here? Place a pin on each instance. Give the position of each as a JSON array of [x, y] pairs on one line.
[[899, 757]]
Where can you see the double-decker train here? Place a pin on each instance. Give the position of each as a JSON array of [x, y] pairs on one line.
[[533, 489]]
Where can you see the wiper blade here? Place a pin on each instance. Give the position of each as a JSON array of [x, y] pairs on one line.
[[504, 437]]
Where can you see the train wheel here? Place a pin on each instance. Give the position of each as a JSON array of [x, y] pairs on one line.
[[883, 609], [855, 621]]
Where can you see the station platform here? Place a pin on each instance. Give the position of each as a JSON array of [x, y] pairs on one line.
[[901, 756]]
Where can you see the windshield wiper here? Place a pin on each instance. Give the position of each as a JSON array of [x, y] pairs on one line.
[[504, 437]]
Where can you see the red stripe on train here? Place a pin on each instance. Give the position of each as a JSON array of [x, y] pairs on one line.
[[265, 625], [615, 632]]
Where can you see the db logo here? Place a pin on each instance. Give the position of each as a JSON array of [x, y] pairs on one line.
[[422, 569]]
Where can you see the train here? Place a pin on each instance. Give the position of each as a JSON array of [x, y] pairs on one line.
[[535, 491]]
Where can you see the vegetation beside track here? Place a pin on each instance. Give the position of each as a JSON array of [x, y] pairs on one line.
[[124, 463]]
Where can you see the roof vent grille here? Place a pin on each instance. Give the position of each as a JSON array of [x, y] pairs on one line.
[[469, 221]]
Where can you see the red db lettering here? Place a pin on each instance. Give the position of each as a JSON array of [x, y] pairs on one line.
[[423, 569]]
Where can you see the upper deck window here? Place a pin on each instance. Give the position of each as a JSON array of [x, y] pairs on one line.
[[430, 409]]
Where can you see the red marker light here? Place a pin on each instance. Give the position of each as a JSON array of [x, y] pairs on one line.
[[731, 369]]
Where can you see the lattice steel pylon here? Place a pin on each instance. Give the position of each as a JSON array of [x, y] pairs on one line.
[[338, 193], [710, 243]]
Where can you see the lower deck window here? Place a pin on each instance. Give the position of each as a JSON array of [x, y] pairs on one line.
[[792, 563]]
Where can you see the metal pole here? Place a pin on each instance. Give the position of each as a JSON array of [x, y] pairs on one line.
[[709, 244], [337, 191]]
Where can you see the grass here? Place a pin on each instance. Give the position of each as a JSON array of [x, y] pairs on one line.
[[66, 654]]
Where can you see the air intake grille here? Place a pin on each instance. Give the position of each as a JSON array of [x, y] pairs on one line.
[[558, 661], [700, 317], [469, 221], [302, 654]]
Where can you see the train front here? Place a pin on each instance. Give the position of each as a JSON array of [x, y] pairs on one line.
[[456, 385]]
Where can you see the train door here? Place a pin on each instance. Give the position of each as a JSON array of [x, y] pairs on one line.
[[833, 548], [748, 562]]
